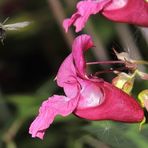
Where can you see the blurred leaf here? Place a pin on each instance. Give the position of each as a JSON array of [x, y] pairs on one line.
[[28, 105], [25, 104], [22, 100], [47, 89], [118, 134]]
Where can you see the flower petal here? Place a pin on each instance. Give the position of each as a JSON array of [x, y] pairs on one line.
[[91, 95], [84, 10], [66, 77], [128, 13], [81, 44], [66, 71], [125, 11], [117, 106], [55, 105], [68, 22]]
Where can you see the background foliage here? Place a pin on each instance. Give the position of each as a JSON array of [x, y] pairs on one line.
[[29, 61]]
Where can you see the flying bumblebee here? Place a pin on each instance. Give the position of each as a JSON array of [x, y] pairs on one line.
[[15, 26]]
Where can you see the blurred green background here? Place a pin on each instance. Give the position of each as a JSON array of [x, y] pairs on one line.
[[29, 61]]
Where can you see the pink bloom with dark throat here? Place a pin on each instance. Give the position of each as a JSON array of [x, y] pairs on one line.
[[85, 96], [125, 11]]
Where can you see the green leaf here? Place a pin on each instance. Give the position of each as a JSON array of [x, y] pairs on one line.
[[118, 134]]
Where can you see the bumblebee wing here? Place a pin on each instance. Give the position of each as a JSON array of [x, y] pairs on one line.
[[16, 26]]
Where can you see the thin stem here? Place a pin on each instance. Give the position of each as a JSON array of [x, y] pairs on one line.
[[117, 62], [110, 70], [105, 62], [141, 62], [59, 14], [10, 134]]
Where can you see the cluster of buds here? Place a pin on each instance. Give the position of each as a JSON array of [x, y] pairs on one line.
[[125, 81]]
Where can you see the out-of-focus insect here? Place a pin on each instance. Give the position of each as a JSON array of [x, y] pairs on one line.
[[15, 26]]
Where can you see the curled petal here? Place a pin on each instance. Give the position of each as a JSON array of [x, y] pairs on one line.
[[66, 77], [55, 105], [66, 71], [74, 66], [68, 22], [84, 10], [81, 44]]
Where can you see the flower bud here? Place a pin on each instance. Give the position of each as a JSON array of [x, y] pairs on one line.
[[124, 82], [143, 97]]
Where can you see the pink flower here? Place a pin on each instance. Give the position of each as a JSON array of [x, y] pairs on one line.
[[125, 11], [86, 96]]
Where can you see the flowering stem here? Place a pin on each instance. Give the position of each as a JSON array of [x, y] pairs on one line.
[[105, 62]]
